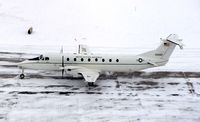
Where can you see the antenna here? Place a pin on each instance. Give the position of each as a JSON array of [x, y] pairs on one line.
[[61, 50]]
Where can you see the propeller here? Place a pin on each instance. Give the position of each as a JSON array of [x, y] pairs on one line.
[[63, 65], [63, 70]]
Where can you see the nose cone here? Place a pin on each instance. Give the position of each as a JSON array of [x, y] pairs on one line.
[[22, 64]]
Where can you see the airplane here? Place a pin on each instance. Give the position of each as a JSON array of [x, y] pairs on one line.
[[90, 66]]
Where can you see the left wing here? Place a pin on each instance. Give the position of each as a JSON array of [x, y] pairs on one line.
[[88, 74]]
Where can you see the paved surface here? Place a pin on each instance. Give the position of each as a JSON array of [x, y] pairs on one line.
[[139, 96]]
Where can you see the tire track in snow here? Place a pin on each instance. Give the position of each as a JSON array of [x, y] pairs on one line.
[[190, 85]]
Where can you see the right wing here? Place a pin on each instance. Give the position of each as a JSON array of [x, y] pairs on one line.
[[89, 75]]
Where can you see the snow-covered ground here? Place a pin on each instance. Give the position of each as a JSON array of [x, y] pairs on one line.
[[144, 96], [119, 99], [131, 26]]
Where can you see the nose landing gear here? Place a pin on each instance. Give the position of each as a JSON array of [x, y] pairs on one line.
[[22, 76], [91, 84]]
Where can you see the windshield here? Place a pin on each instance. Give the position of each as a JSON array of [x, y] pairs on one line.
[[37, 58], [41, 57]]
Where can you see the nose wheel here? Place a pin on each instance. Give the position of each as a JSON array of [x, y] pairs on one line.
[[21, 76]]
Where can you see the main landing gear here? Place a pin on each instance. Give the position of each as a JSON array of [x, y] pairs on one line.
[[22, 76], [91, 84]]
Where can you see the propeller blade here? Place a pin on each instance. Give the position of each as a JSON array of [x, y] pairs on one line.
[[63, 72], [63, 65]]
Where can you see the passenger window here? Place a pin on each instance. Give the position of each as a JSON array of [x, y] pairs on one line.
[[96, 59], [82, 59], [74, 59], [89, 59], [110, 60], [117, 60], [67, 59], [103, 60]]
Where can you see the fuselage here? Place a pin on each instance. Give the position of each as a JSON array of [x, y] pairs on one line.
[[100, 62], [90, 66]]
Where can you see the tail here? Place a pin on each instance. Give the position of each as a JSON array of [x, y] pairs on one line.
[[166, 48]]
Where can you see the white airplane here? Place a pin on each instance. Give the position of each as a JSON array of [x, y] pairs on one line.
[[90, 66]]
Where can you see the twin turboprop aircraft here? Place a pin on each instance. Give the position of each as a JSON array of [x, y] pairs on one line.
[[90, 66]]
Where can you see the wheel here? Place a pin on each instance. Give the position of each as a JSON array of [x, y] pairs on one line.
[[90, 83], [21, 76]]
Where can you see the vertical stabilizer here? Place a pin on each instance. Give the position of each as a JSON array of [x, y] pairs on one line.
[[165, 49]]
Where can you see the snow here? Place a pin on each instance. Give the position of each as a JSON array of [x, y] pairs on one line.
[[114, 26], [29, 100], [120, 26], [113, 22]]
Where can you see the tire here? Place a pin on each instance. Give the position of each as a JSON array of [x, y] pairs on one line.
[[21, 76], [90, 83]]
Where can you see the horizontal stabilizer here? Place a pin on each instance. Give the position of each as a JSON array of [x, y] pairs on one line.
[[174, 39], [164, 50]]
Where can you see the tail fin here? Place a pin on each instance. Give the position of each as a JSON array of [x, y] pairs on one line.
[[166, 48]]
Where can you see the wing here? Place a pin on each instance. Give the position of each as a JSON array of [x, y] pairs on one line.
[[89, 75]]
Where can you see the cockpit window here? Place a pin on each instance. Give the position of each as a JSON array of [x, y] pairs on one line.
[[41, 57], [37, 58]]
